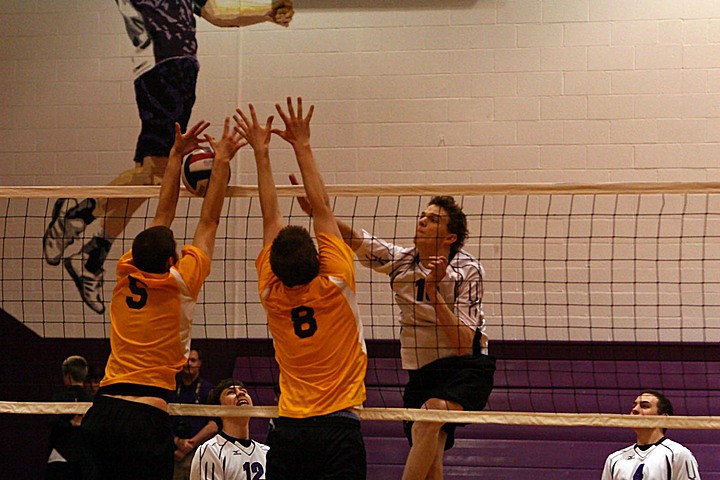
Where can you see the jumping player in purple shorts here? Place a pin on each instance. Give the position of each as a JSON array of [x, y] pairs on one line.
[[166, 69]]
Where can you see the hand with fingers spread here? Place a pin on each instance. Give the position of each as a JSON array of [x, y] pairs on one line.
[[257, 136], [190, 140], [229, 144], [297, 128]]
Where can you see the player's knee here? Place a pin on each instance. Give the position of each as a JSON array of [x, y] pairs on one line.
[[424, 429], [435, 404]]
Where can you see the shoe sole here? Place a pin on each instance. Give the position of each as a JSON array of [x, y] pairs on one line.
[[79, 285]]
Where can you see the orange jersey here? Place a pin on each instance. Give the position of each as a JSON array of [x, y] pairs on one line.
[[317, 332], [151, 317]]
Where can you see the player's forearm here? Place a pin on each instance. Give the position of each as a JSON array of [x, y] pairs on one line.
[[455, 330], [239, 21], [312, 178], [351, 236], [214, 14], [169, 191], [212, 206], [205, 434], [217, 187], [316, 193], [267, 191]]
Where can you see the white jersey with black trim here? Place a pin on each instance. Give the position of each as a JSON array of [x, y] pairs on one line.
[[665, 460], [226, 458], [421, 340]]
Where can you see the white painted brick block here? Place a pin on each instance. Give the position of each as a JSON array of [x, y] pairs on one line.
[[659, 9], [517, 108], [658, 57], [610, 58], [564, 59], [603, 10], [634, 33], [517, 60], [545, 35], [540, 133], [682, 130], [634, 131], [494, 85], [586, 132], [564, 107], [557, 157], [610, 107], [607, 157], [519, 11], [539, 83], [586, 83], [565, 10], [586, 34]]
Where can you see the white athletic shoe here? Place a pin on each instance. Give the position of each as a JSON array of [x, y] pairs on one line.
[[86, 270], [67, 224]]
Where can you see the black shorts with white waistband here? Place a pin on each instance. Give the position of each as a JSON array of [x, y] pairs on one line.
[[466, 380]]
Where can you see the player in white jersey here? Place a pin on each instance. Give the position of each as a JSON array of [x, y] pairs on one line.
[[438, 287], [654, 456], [231, 454]]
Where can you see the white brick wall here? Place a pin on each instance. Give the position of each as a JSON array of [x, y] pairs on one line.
[[451, 90]]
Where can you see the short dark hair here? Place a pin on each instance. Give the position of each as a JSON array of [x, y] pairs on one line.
[[664, 405], [457, 222], [214, 396], [293, 256], [152, 247], [75, 366]]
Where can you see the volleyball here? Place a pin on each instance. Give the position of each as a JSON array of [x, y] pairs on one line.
[[196, 170]]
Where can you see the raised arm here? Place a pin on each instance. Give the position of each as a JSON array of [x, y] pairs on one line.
[[281, 14], [170, 188], [351, 236], [224, 150], [259, 139], [297, 134]]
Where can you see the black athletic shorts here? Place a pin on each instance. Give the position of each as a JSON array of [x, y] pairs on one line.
[[129, 440], [164, 95], [466, 380], [326, 447]]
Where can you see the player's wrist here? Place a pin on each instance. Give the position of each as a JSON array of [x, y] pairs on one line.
[[261, 151], [302, 146]]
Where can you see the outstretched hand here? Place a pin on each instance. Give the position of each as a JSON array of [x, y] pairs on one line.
[[257, 136], [302, 200], [228, 145], [297, 128], [190, 140]]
